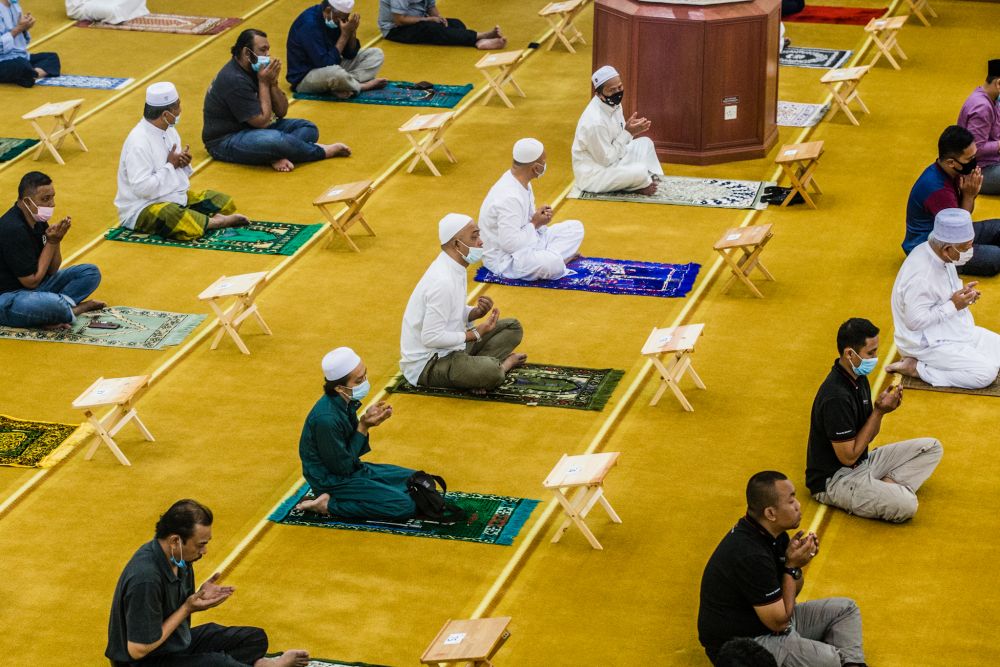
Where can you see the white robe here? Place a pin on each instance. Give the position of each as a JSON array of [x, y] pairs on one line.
[[605, 155], [106, 11], [951, 351], [144, 175], [513, 247]]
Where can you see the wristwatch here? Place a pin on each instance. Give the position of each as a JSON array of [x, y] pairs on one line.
[[795, 572], [475, 332]]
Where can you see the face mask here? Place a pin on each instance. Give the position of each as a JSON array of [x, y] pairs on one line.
[[866, 366], [542, 172], [42, 213], [614, 100], [177, 120], [964, 256], [968, 167], [177, 563], [359, 392], [262, 61], [475, 254], [332, 25]]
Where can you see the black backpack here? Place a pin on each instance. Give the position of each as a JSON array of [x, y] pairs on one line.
[[431, 504]]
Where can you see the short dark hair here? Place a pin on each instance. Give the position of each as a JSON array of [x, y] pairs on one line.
[[181, 519], [330, 386], [854, 333], [953, 142], [245, 40], [990, 78], [150, 112], [744, 652], [31, 182], [761, 493]]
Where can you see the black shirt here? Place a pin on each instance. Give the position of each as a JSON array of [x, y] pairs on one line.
[[232, 99], [148, 592], [20, 247], [841, 407], [744, 572]]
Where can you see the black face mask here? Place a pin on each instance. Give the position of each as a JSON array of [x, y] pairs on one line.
[[614, 100], [968, 167]]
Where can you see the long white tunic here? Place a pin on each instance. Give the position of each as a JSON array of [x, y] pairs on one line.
[[951, 351], [144, 175], [436, 317], [514, 247], [106, 11], [605, 155]]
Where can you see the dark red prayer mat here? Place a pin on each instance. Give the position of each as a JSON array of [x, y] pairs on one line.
[[835, 15]]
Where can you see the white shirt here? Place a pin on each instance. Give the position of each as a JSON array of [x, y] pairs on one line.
[[107, 11], [436, 316], [505, 223], [922, 311], [601, 140], [144, 175]]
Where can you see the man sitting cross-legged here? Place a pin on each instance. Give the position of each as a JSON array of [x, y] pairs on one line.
[[420, 22]]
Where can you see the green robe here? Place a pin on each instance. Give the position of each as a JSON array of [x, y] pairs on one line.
[[331, 449]]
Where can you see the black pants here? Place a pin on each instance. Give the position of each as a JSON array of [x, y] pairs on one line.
[[432, 32], [214, 645], [22, 70], [986, 258]]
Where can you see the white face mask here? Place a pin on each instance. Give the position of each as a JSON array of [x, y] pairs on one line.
[[964, 256]]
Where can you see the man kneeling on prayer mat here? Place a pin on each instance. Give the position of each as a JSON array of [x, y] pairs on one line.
[[937, 337], [518, 240], [608, 153], [154, 177], [441, 344], [333, 441]]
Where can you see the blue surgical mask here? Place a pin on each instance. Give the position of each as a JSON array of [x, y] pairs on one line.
[[331, 24], [865, 367], [475, 254], [177, 563], [262, 62], [359, 392]]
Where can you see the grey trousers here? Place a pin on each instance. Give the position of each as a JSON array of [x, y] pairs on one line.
[[991, 180], [345, 77], [478, 367], [862, 492], [824, 633]]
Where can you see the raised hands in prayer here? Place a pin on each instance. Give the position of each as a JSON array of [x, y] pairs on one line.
[[209, 595], [801, 549], [490, 323], [56, 232], [966, 296], [971, 183], [637, 126], [179, 159], [374, 415], [484, 304], [542, 216], [269, 74], [889, 399]]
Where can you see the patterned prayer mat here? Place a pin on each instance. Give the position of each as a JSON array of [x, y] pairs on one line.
[[137, 328], [80, 81], [492, 519], [10, 147], [260, 238], [612, 276], [917, 383], [324, 662], [684, 191], [175, 23], [836, 15], [401, 94], [26, 444], [538, 385], [801, 56], [798, 114]]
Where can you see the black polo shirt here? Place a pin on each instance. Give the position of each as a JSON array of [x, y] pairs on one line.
[[148, 592], [842, 406], [20, 247], [232, 99], [744, 572]]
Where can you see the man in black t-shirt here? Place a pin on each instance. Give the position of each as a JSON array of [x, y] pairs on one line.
[[244, 113], [150, 620], [34, 291], [839, 469], [753, 577]]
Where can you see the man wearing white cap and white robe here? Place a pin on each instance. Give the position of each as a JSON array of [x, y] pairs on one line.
[[936, 335], [106, 11], [518, 239], [608, 153], [440, 343], [154, 177], [325, 56], [333, 441]]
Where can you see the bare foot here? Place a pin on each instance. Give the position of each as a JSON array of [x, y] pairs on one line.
[[649, 190], [219, 221], [491, 34], [317, 505], [905, 366], [283, 165], [491, 44], [478, 392], [87, 306], [336, 150], [56, 327], [375, 84], [40, 73], [292, 658], [512, 361]]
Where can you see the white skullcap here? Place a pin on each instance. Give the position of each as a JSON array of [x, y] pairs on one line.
[[340, 363], [953, 225], [344, 6], [527, 150], [603, 75], [161, 94], [450, 225]]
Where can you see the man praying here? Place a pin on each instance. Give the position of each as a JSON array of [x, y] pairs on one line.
[[16, 64], [106, 11], [420, 22], [980, 116]]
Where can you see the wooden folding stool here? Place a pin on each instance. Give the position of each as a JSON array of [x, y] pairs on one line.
[[354, 195], [799, 163], [120, 393], [435, 125], [473, 641], [885, 35], [560, 16], [741, 249], [843, 84], [498, 68], [585, 473], [918, 7], [64, 114], [243, 289], [678, 343]]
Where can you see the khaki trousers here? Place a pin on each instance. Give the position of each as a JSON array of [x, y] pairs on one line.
[[478, 367], [346, 77], [824, 633]]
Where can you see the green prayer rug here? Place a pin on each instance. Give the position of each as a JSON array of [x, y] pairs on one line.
[[538, 385], [137, 328], [26, 444], [10, 147], [400, 94], [259, 238], [491, 519]]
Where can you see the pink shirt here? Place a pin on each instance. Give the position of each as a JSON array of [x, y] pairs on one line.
[[980, 116]]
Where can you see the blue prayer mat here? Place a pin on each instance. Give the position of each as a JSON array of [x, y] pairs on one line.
[[613, 276], [79, 81], [401, 94]]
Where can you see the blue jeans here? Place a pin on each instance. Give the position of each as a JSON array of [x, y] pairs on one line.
[[986, 258], [290, 138], [22, 70], [51, 302]]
